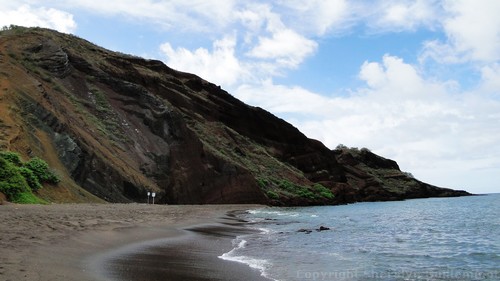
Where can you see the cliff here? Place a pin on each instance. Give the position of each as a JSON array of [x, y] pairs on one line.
[[115, 126]]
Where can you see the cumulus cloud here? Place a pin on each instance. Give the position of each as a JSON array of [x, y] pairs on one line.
[[400, 15], [268, 48], [25, 15], [320, 16], [286, 47], [281, 99], [218, 65], [268, 38], [394, 94], [396, 80], [472, 30]]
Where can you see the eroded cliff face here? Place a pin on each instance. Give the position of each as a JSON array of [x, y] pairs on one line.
[[117, 126]]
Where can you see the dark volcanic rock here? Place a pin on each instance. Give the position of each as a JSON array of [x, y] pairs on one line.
[[50, 56], [120, 126], [303, 230]]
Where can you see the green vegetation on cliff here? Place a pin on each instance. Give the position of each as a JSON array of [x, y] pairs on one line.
[[18, 179], [276, 189]]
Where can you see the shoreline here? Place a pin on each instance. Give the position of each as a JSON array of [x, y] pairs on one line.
[[88, 241], [194, 254]]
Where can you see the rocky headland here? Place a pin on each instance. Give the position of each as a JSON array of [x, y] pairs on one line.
[[115, 126]]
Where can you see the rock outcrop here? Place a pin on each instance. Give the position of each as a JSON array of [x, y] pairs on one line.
[[117, 126]]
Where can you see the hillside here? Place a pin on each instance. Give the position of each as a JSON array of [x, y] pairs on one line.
[[115, 126]]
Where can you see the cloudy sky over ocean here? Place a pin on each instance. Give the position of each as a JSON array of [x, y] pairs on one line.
[[415, 81]]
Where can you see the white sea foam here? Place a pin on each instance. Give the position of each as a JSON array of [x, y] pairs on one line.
[[241, 244], [259, 264], [274, 213], [264, 230]]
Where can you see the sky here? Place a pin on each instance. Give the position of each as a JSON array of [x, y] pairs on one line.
[[414, 81]]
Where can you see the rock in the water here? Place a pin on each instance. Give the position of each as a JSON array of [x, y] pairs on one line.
[[303, 230], [322, 228]]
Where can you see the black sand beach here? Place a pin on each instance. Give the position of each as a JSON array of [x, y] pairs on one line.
[[75, 242]]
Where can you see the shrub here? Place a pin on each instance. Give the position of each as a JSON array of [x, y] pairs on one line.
[[306, 193], [286, 185], [18, 179], [31, 179], [314, 192], [263, 183], [12, 181], [12, 157], [272, 195], [341, 147], [41, 170], [323, 191], [408, 174], [327, 194]]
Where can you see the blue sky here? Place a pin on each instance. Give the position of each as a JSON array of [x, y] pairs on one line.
[[415, 81]]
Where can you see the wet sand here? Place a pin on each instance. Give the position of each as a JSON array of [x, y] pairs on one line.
[[120, 242], [189, 256]]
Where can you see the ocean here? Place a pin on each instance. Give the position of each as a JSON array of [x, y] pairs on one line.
[[420, 239]]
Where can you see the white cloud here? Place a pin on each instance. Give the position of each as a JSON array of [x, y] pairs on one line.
[[219, 66], [269, 39], [473, 33], [195, 15], [401, 15], [253, 17], [373, 74], [396, 80], [475, 28], [326, 15], [490, 83], [280, 98], [269, 48], [286, 47], [319, 16], [26, 15]]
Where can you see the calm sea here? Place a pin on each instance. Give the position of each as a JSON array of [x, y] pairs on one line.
[[422, 239]]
